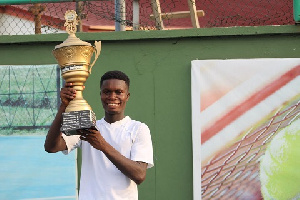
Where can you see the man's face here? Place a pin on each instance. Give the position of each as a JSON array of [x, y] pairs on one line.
[[114, 95]]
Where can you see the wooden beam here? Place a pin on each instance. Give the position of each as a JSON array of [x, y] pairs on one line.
[[37, 10], [105, 28], [193, 12], [179, 14], [157, 14], [79, 10]]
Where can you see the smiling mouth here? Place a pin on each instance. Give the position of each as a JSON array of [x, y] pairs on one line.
[[113, 104]]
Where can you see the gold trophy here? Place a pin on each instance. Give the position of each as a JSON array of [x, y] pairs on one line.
[[73, 57]]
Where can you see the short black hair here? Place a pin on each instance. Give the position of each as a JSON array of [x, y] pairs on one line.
[[115, 74]]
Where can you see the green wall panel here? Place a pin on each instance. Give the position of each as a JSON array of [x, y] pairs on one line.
[[159, 68]]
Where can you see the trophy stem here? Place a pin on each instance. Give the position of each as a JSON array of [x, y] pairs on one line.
[[78, 103]]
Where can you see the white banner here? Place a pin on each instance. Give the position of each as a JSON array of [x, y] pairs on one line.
[[231, 96]]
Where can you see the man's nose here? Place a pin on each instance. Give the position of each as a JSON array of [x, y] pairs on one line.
[[112, 95]]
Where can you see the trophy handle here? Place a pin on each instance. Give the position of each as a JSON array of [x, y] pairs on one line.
[[97, 50]]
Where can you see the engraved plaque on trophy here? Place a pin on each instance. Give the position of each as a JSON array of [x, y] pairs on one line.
[[73, 57]]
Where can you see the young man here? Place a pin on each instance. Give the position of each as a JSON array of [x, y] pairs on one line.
[[115, 154]]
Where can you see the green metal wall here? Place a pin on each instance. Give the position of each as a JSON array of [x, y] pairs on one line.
[[158, 63]]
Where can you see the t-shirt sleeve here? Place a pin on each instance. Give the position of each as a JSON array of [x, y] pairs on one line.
[[72, 142], [142, 149]]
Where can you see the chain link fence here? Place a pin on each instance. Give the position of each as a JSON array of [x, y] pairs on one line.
[[98, 16], [29, 97]]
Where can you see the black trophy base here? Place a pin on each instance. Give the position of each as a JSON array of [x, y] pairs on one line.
[[75, 120]]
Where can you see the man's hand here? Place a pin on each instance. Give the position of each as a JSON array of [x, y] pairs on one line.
[[67, 94], [92, 136]]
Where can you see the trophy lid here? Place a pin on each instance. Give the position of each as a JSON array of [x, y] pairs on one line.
[[70, 24]]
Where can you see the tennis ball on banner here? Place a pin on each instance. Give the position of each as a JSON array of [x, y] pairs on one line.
[[280, 166]]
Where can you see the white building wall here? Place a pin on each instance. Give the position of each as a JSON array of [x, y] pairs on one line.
[[11, 25]]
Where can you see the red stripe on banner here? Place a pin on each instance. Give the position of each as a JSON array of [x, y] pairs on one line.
[[252, 101]]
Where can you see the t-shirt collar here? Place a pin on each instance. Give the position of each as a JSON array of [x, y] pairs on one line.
[[117, 123]]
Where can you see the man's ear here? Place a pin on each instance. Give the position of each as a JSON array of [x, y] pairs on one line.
[[128, 95]]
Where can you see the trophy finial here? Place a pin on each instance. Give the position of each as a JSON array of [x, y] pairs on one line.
[[71, 22], [71, 28]]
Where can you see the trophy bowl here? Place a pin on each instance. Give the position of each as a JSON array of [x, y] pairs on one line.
[[74, 55], [74, 62]]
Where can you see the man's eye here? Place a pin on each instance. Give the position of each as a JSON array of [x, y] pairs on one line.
[[118, 92]]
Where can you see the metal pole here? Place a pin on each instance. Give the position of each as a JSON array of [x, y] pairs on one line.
[[58, 86], [9, 91], [120, 15], [33, 102], [136, 15]]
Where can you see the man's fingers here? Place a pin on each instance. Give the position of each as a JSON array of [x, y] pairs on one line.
[[83, 138], [68, 84], [68, 92], [84, 131]]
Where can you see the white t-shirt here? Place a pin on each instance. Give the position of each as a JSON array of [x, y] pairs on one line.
[[100, 179]]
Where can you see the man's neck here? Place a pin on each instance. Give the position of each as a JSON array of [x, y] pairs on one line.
[[113, 118]]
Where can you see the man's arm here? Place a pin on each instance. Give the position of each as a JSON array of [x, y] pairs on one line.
[[54, 141], [134, 170]]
